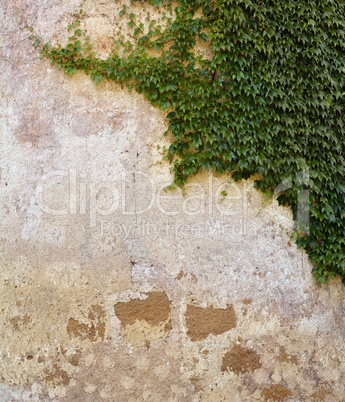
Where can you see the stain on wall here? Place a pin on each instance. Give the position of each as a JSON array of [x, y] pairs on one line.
[[18, 322], [93, 330], [154, 309], [57, 377], [201, 322], [240, 360], [276, 392]]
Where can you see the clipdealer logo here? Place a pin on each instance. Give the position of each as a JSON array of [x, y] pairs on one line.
[[95, 198], [80, 195]]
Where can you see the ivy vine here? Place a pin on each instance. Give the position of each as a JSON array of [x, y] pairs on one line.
[[268, 100]]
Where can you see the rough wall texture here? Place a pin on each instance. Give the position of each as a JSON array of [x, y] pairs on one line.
[[111, 288]]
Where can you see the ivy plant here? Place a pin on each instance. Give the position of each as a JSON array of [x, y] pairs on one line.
[[268, 99]]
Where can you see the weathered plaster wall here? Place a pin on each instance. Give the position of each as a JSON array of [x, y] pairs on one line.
[[112, 289]]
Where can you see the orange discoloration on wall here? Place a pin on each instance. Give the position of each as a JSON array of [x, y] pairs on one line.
[[201, 322], [154, 309], [91, 331], [240, 360], [276, 392]]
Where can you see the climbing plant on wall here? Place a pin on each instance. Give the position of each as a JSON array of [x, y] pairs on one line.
[[269, 99]]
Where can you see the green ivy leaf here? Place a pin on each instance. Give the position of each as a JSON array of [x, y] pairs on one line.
[[268, 99]]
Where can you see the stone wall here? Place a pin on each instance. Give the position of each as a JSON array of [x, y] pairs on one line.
[[114, 289]]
